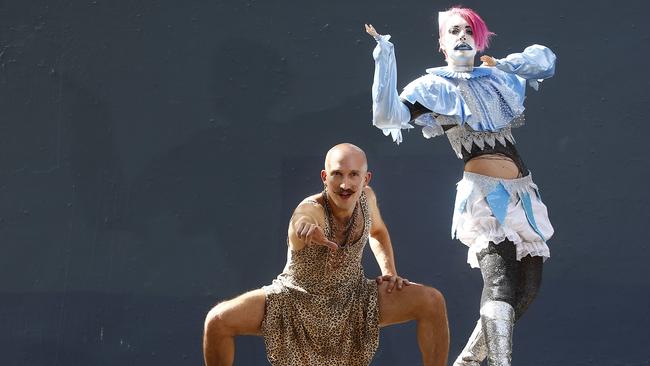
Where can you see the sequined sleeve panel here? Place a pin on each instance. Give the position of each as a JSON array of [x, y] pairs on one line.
[[322, 310]]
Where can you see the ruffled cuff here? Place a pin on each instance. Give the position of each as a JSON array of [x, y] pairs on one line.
[[396, 133], [524, 248]]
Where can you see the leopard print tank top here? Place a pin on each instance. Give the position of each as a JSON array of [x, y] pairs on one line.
[[321, 310]]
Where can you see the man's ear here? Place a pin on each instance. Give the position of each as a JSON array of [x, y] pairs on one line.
[[323, 175], [368, 178]]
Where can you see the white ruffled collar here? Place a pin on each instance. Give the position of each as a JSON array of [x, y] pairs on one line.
[[445, 72]]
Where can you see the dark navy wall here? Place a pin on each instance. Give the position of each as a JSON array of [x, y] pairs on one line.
[[151, 153]]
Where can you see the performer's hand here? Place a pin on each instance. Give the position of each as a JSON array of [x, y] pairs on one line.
[[488, 61], [371, 30], [314, 234], [393, 281]]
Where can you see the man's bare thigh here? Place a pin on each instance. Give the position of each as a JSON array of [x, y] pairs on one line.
[[243, 315], [403, 305]]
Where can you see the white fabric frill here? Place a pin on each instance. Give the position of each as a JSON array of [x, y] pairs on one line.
[[476, 226]]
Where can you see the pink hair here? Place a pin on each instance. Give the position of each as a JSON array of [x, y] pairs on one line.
[[482, 34]]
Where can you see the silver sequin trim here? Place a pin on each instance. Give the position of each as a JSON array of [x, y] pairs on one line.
[[463, 136]]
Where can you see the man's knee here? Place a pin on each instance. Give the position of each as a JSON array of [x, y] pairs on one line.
[[239, 316], [216, 322], [433, 301]]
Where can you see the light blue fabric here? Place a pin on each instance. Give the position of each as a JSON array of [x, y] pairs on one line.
[[498, 201], [437, 94], [389, 113], [496, 97], [528, 208], [498, 93], [536, 63]]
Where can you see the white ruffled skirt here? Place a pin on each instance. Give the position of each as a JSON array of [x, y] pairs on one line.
[[492, 209]]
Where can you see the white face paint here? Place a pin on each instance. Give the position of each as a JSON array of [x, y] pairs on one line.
[[457, 42]]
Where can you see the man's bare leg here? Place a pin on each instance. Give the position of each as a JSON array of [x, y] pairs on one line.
[[425, 305], [242, 315]]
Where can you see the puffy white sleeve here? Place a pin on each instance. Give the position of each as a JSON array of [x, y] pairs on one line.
[[535, 64], [388, 112]]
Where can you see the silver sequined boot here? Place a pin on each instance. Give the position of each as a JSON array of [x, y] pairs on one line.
[[475, 350], [498, 318]]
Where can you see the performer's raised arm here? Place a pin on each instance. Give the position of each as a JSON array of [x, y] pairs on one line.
[[388, 111]]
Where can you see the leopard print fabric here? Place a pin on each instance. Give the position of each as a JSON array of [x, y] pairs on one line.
[[321, 310]]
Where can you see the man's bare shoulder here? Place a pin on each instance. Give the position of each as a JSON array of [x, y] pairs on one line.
[[370, 194], [311, 205]]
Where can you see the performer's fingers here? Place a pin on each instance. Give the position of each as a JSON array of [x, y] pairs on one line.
[[305, 229], [311, 231], [391, 284], [332, 245], [488, 60], [317, 236], [406, 282], [399, 283], [299, 230], [303, 232], [379, 279]]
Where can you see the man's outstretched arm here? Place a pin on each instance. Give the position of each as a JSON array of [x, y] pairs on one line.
[[382, 246], [306, 227]]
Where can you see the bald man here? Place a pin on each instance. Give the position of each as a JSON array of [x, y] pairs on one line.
[[321, 310]]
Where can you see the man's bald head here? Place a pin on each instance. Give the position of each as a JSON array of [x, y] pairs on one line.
[[349, 153], [345, 175]]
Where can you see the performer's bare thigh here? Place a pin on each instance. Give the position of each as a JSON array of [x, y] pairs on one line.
[[403, 305], [242, 315]]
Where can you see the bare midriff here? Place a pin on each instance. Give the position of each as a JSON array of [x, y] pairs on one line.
[[493, 165]]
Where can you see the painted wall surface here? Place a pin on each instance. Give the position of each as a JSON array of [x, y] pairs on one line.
[[151, 154]]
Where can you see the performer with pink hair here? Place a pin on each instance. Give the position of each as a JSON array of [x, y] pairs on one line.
[[498, 212]]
